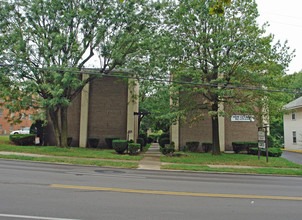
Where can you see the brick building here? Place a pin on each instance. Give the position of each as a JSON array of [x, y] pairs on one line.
[[26, 118], [104, 108]]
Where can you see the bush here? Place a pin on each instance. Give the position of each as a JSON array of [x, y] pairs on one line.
[[168, 150], [207, 146], [141, 142], [143, 136], [153, 137], [150, 140], [164, 141], [69, 141], [272, 152], [23, 139], [109, 140], [93, 142], [120, 146], [133, 148], [163, 135], [243, 146], [192, 146], [37, 128]]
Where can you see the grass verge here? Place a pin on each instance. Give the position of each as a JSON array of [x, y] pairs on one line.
[[70, 152], [230, 159], [264, 170], [74, 161]]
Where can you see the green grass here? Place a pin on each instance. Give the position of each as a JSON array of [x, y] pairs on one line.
[[230, 159], [68, 152], [74, 161], [273, 171]]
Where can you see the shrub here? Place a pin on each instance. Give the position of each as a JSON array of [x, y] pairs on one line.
[[141, 142], [109, 140], [164, 141], [69, 141], [154, 137], [120, 146], [143, 136], [150, 140], [272, 152], [192, 146], [37, 128], [22, 139], [243, 146], [207, 146], [93, 142], [168, 150], [133, 148], [164, 135]]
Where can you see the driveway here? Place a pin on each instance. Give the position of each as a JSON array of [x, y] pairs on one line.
[[293, 156]]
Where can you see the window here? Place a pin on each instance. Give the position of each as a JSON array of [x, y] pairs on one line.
[[294, 137], [11, 128], [0, 127], [12, 115], [30, 117], [1, 112], [293, 116]]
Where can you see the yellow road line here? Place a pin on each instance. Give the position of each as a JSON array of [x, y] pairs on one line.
[[177, 193], [296, 151]]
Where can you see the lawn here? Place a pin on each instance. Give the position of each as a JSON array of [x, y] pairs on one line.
[[230, 159], [68, 152]]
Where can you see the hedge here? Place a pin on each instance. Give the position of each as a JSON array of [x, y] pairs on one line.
[[163, 135], [93, 142], [272, 151], [109, 140], [23, 139], [168, 150], [207, 146], [133, 148], [192, 146], [120, 146], [164, 141], [140, 141], [243, 146]]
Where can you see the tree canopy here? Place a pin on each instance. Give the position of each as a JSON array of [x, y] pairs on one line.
[[44, 43]]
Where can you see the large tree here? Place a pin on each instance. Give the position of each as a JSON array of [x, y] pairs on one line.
[[219, 54], [45, 42]]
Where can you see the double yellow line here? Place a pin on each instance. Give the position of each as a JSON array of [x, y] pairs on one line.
[[176, 193]]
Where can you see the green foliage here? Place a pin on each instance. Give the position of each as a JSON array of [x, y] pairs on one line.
[[154, 137], [192, 146], [272, 152], [93, 142], [109, 140], [143, 136], [169, 149], [120, 146], [207, 146], [163, 141], [37, 128], [164, 135], [133, 148], [22, 139], [243, 146], [141, 142]]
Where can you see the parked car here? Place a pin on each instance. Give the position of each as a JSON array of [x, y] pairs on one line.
[[25, 130]]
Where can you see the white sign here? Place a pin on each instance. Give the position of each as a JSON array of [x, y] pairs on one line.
[[261, 136], [248, 118], [261, 144]]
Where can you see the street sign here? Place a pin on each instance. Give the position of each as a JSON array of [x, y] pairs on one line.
[[261, 144], [261, 136]]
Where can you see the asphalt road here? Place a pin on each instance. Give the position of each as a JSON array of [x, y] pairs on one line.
[[292, 156], [31, 190]]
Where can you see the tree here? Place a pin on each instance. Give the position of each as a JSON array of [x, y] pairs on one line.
[[45, 45], [218, 54]]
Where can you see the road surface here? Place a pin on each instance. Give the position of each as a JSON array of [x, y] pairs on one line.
[[32, 190]]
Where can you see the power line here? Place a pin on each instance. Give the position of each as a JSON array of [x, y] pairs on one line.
[[106, 74]]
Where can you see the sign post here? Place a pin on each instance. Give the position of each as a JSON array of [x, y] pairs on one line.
[[262, 141]]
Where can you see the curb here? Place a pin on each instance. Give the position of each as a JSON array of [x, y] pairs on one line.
[[295, 151]]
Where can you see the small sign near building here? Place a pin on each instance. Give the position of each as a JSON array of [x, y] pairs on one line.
[[247, 118]]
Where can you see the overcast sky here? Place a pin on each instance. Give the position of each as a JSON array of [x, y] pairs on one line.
[[285, 19]]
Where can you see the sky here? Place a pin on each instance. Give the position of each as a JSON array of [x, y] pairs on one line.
[[285, 19]]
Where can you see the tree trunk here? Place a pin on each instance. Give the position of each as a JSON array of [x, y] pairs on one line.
[[54, 118], [215, 131], [63, 126]]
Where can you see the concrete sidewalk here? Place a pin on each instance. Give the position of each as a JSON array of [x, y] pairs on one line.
[[151, 160]]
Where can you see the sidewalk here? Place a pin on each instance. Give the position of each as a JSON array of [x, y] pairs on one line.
[[151, 160]]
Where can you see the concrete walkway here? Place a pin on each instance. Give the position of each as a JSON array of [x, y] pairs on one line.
[[151, 160]]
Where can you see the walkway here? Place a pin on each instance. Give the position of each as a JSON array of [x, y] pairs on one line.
[[151, 160]]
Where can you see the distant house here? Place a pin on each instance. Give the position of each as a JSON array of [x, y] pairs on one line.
[[293, 125], [104, 108], [6, 126]]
